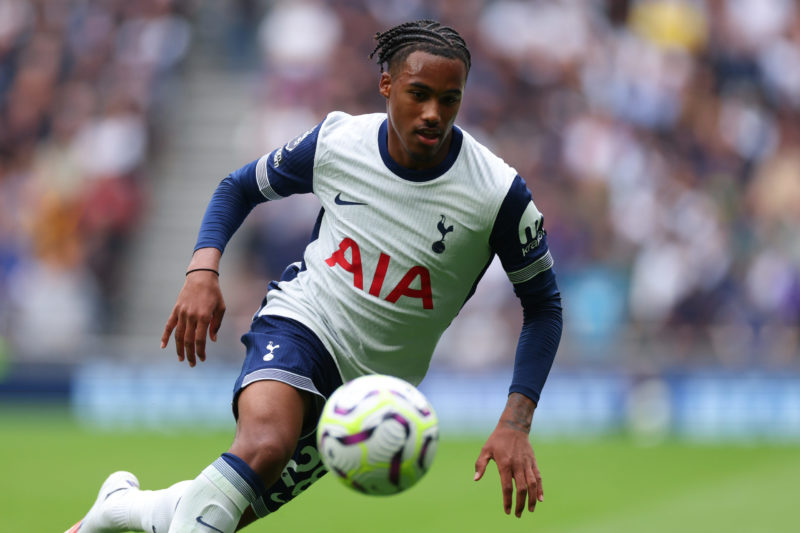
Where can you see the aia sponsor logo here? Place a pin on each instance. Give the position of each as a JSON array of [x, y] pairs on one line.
[[416, 275]]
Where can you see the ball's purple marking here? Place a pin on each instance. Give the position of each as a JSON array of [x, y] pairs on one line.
[[394, 468], [399, 394], [355, 438], [346, 411], [340, 473], [401, 420], [358, 486], [424, 451], [422, 410]]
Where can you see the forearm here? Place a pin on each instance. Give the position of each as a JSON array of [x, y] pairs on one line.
[[518, 413], [205, 258]]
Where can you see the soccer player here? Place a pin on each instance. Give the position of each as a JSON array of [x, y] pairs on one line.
[[413, 210]]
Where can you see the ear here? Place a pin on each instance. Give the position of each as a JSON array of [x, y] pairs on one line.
[[385, 84]]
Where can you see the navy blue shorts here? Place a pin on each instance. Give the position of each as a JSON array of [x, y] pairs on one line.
[[285, 350], [282, 349]]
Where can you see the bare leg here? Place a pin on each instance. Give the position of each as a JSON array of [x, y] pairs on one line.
[[247, 518], [270, 420], [253, 424], [271, 417]]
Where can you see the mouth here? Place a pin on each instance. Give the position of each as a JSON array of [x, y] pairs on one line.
[[429, 137]]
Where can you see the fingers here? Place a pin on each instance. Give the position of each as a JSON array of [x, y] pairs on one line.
[[194, 339], [188, 341], [528, 484], [190, 333], [524, 488], [539, 489], [506, 485], [172, 321], [534, 489], [201, 330], [180, 328], [216, 322], [522, 482]]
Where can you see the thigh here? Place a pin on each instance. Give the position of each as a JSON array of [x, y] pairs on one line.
[[271, 415]]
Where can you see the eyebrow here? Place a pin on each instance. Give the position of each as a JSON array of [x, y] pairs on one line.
[[421, 85]]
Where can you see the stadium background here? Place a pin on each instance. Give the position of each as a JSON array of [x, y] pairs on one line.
[[660, 138]]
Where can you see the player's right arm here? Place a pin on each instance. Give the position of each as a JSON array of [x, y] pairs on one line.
[[199, 308]]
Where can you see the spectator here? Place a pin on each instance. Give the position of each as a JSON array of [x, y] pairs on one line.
[[78, 83], [661, 134]]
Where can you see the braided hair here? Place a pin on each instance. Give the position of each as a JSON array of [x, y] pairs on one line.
[[395, 44]]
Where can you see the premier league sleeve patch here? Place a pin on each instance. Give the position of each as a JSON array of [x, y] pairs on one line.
[[519, 238], [530, 228], [290, 169]]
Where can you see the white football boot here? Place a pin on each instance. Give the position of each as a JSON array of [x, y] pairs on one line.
[[107, 515]]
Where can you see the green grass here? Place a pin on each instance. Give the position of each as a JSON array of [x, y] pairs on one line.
[[51, 468]]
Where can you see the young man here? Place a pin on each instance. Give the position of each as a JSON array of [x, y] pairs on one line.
[[413, 210]]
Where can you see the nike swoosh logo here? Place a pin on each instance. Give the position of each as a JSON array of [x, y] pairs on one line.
[[339, 201], [114, 492], [209, 526]]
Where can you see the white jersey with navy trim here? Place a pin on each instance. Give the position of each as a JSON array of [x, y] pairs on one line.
[[396, 253]]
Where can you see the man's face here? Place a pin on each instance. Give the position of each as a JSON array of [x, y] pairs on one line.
[[423, 97]]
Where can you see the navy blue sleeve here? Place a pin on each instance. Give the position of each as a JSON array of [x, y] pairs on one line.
[[289, 169], [285, 171], [232, 201], [538, 343], [520, 241]]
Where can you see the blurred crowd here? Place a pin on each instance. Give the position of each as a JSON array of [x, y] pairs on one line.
[[82, 84], [660, 138]]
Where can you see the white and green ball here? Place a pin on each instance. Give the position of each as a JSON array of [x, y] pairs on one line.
[[378, 434]]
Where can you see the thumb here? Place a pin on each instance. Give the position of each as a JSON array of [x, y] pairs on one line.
[[480, 466], [216, 322]]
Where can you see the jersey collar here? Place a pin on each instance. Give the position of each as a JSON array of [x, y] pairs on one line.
[[418, 175]]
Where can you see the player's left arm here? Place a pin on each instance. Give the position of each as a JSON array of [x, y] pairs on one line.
[[520, 241]]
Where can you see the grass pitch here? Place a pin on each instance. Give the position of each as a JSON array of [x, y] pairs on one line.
[[51, 468]]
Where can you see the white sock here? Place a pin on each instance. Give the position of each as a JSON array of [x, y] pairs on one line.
[[152, 510], [214, 501]]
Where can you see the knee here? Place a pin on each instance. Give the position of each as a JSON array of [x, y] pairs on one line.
[[269, 425], [264, 452]]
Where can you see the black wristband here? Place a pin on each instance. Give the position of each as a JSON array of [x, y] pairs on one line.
[[202, 270]]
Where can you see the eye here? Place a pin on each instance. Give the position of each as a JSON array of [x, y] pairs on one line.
[[418, 95]]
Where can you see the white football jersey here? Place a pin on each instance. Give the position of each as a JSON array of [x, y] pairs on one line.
[[396, 253]]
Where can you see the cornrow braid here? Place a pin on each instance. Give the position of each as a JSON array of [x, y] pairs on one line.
[[395, 44]]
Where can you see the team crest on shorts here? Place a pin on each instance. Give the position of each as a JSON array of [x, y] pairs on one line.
[[269, 356]]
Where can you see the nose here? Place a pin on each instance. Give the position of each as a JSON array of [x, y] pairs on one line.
[[430, 113]]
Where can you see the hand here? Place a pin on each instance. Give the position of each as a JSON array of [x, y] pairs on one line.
[[510, 448], [198, 312]]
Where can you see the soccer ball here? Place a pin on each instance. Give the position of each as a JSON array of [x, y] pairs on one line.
[[378, 434]]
